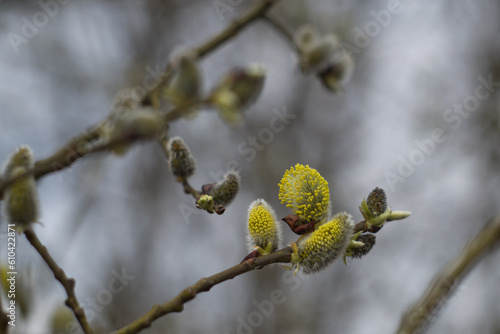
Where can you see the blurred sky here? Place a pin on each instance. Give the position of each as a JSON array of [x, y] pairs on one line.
[[107, 213]]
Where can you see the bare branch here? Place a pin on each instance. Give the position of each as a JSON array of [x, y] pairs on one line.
[[204, 284], [445, 282], [60, 275]]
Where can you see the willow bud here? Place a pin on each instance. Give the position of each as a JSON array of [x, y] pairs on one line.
[[224, 192], [139, 124], [326, 244], [338, 71], [180, 160], [21, 197], [377, 201], [206, 202], [185, 82], [398, 215], [236, 90], [264, 232], [363, 245], [316, 56]]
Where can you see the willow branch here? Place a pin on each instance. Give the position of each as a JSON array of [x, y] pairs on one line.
[[445, 282], [281, 28], [259, 10], [77, 147], [60, 275], [204, 284]]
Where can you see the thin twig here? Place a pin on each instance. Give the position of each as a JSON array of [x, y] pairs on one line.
[[259, 10], [280, 27], [205, 284], [60, 275], [416, 319]]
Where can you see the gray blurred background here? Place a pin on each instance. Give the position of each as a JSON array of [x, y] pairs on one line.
[[108, 214]]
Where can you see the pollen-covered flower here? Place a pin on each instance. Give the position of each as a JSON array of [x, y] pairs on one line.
[[264, 231], [21, 198], [325, 245], [306, 192], [180, 161]]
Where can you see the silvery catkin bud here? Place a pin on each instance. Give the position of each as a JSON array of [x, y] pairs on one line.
[[236, 90], [338, 71], [21, 197], [368, 241], [225, 191], [180, 160], [316, 56], [185, 82], [377, 201], [325, 245], [263, 229]]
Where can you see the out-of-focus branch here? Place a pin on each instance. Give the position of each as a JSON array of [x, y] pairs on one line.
[[444, 283], [77, 147], [204, 284], [60, 275], [281, 28], [259, 10]]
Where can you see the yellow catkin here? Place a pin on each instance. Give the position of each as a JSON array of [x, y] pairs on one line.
[[325, 245], [263, 228], [306, 192]]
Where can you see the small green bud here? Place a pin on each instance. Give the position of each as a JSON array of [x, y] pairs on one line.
[[206, 202], [236, 90], [225, 191], [180, 161], [21, 197], [264, 232], [398, 215], [324, 246], [185, 82]]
